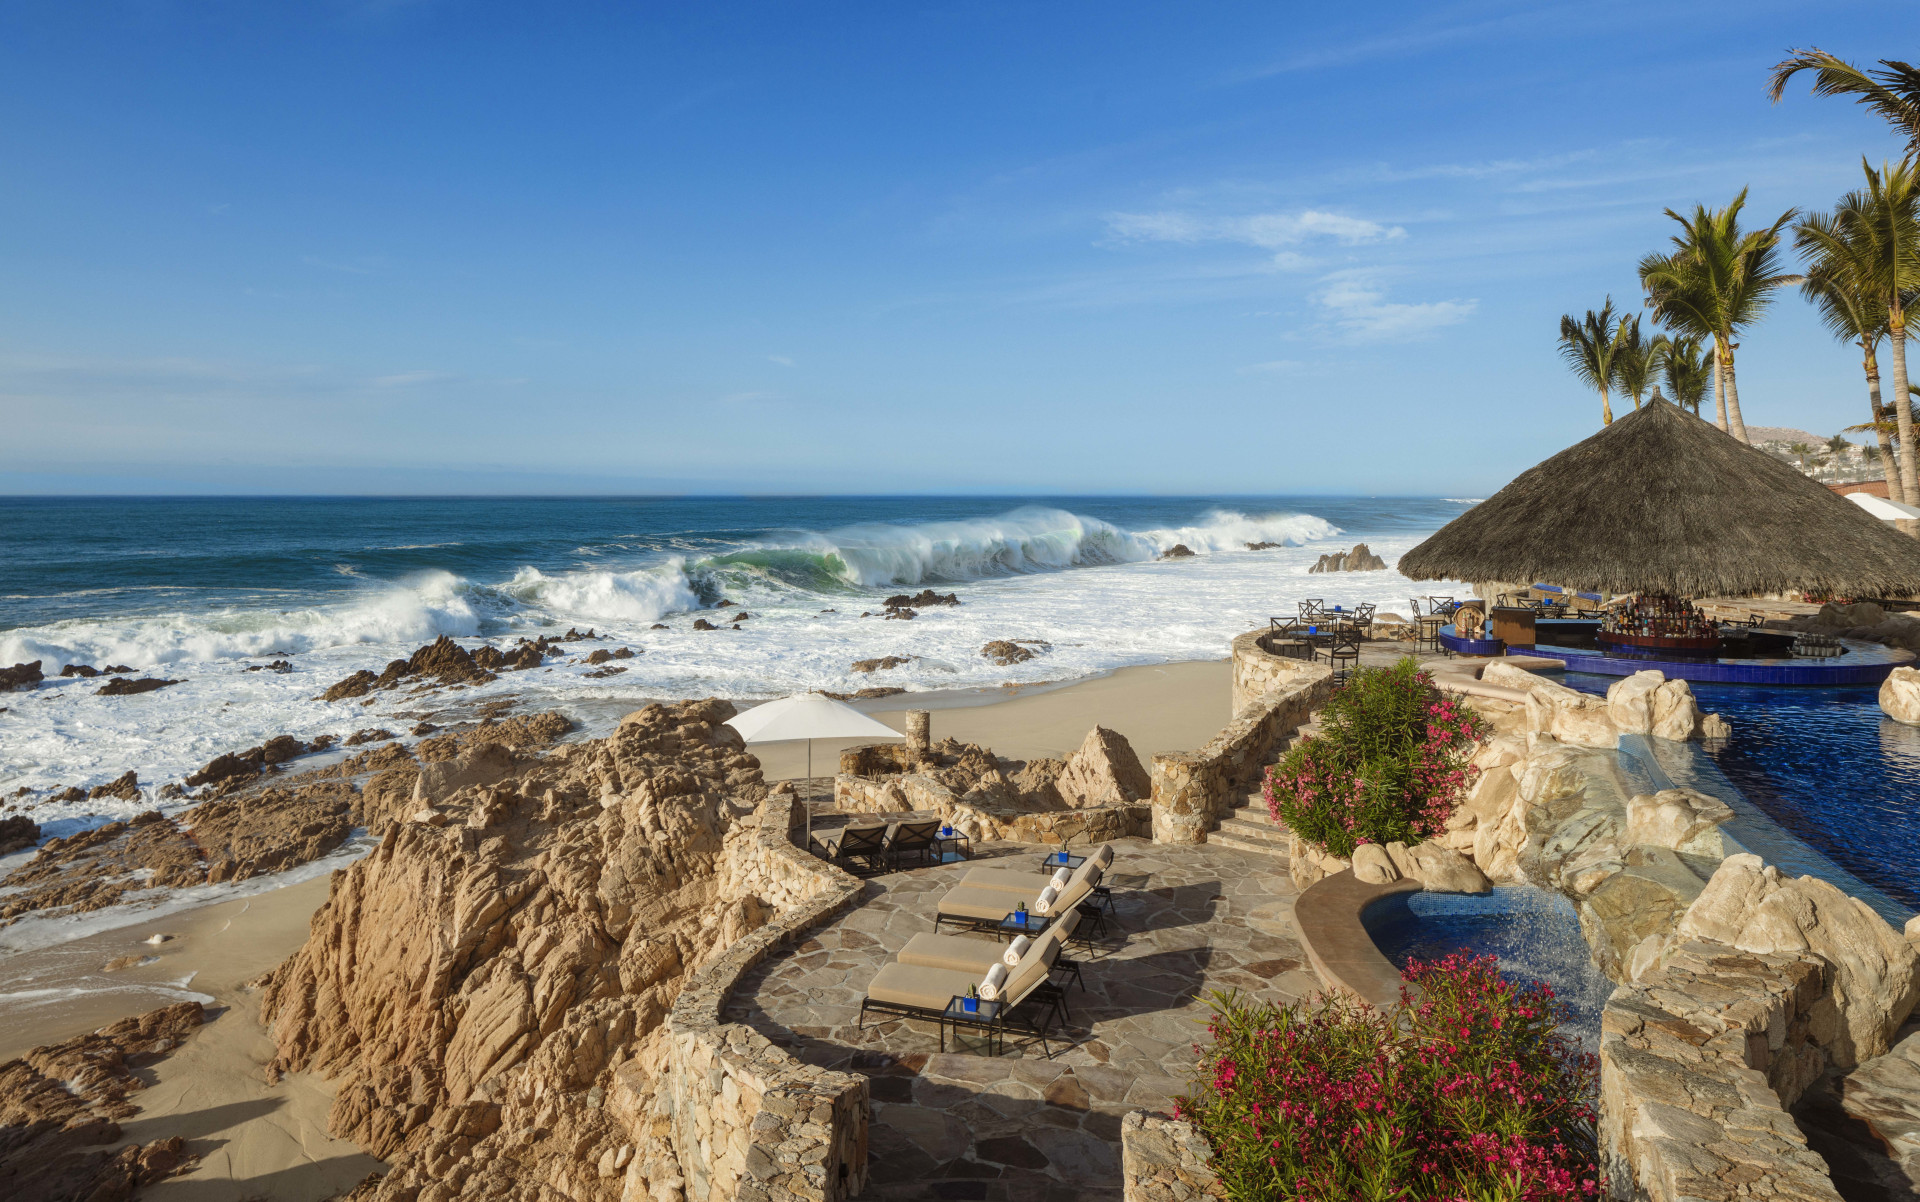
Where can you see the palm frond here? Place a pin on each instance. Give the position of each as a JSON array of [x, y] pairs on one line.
[[1893, 92]]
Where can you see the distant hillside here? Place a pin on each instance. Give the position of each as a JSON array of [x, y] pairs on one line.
[[1784, 434]]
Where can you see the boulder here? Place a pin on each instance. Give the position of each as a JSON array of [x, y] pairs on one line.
[[126, 787], [20, 676], [1900, 696], [1103, 772], [881, 664], [1749, 905], [1177, 551], [1676, 715], [1713, 726], [18, 833], [1006, 654], [1645, 898], [1372, 864], [1678, 820], [1630, 701], [1570, 716], [1439, 869], [1501, 672], [123, 687], [1360, 559], [1834, 616]]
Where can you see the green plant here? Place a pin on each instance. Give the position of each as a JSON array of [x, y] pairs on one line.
[[1389, 764], [1463, 1090], [1588, 347]]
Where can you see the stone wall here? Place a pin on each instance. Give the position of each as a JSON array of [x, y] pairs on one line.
[[1193, 790], [747, 1120], [914, 792], [1164, 1160]]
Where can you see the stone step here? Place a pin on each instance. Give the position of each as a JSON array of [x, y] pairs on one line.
[[1264, 846], [1254, 816], [1241, 828]]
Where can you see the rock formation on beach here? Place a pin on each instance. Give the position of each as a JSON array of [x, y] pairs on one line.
[[1360, 559], [1177, 551], [17, 833], [1006, 653], [921, 600], [1103, 772], [121, 686], [20, 676], [444, 661], [61, 1106], [472, 986], [881, 664]]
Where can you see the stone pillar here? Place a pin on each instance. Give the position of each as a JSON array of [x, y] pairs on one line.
[[919, 736]]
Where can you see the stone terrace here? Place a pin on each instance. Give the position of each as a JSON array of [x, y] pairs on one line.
[[1023, 1127]]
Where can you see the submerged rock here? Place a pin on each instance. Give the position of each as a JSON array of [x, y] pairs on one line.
[[881, 664], [123, 687], [1005, 653]]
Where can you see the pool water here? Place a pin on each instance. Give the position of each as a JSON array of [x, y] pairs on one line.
[[1826, 765], [1533, 933]]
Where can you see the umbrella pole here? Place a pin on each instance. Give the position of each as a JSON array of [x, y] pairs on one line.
[[803, 797]]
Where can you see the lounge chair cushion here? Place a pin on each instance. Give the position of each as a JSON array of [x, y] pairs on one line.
[[914, 985], [959, 953], [982, 905], [1027, 884], [1034, 968]]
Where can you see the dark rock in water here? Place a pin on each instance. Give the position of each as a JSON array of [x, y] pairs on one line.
[[1005, 653], [370, 735], [881, 664], [905, 615], [322, 742], [742, 616], [603, 673], [723, 603], [356, 685], [1360, 559], [240, 766], [574, 634], [20, 676], [114, 670], [71, 793], [921, 600], [171, 791], [703, 624], [600, 656], [82, 670], [1264, 546], [623, 653], [125, 788], [863, 694], [1177, 551], [126, 688], [279, 665], [659, 626], [446, 661], [424, 728], [17, 833]]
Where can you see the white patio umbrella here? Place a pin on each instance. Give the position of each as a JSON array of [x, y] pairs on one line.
[[1880, 507], [807, 716]]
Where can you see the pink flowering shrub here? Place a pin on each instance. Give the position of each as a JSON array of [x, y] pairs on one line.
[[1464, 1090], [1389, 764]]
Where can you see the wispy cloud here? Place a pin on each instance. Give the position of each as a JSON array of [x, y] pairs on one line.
[[408, 379], [782, 360], [1436, 32], [1357, 304], [1270, 231]]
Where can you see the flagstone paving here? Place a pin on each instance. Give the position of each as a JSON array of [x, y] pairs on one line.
[[1025, 1126]]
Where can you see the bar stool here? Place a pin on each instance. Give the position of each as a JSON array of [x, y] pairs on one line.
[[1429, 625]]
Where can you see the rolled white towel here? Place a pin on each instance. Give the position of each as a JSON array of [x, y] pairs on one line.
[[1044, 903], [990, 988], [1061, 877], [1015, 950]]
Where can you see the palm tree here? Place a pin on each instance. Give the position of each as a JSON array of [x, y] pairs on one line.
[[1685, 370], [1841, 267], [1634, 358], [1589, 347], [1893, 92], [1716, 281], [1872, 242]]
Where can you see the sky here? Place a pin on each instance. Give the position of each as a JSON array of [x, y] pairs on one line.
[[463, 247]]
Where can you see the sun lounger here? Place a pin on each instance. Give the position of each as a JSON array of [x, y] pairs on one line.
[[1017, 879], [862, 848], [978, 907], [965, 953], [916, 991], [915, 839]]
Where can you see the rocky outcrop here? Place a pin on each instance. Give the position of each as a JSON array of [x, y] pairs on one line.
[[1645, 703], [881, 664], [1438, 868], [234, 767], [1360, 559], [440, 663], [20, 676], [487, 988], [921, 600], [17, 833], [125, 787], [84, 671], [1103, 772], [1005, 653], [1177, 551], [124, 687], [61, 1107]]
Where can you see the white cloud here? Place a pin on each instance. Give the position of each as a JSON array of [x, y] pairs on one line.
[[1269, 231], [782, 360], [1358, 304]]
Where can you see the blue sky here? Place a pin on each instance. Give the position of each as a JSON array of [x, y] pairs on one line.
[[859, 248]]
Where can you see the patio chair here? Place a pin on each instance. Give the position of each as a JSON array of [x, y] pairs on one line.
[[918, 839], [1015, 880], [1428, 623], [860, 849], [1363, 619], [1313, 609], [917, 991], [965, 953], [984, 908], [1344, 647]]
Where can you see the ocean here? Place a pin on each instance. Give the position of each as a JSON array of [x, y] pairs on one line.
[[201, 589]]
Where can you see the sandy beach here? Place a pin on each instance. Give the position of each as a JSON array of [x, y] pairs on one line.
[[270, 1141]]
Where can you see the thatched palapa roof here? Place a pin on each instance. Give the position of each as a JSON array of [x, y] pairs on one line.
[[1662, 502]]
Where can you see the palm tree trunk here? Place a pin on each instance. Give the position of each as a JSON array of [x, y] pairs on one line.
[[1902, 407], [1736, 425], [1719, 388], [1606, 409], [1888, 464]]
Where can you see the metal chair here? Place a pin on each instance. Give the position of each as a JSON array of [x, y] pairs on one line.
[[1344, 648], [1313, 609], [919, 839], [1363, 619], [860, 849], [1428, 625]]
